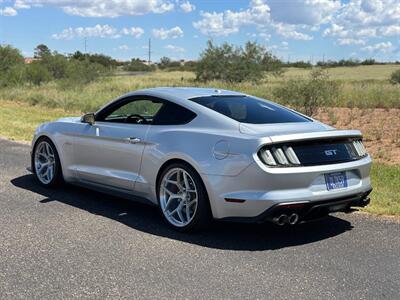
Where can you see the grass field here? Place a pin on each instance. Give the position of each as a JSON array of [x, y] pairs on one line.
[[364, 87], [385, 198]]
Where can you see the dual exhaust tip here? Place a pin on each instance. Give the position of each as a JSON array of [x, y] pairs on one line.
[[285, 219]]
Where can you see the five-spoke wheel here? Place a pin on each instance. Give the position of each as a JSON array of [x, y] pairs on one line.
[[45, 163], [182, 198]]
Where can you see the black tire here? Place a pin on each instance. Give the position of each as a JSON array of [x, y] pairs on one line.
[[202, 215], [57, 176]]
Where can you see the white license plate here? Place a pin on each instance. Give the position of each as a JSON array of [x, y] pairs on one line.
[[336, 181]]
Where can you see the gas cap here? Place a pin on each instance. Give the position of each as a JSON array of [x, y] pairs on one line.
[[221, 149]]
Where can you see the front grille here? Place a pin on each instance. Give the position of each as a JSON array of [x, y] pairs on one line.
[[312, 153]]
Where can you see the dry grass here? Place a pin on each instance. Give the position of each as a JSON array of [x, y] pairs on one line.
[[18, 120], [357, 89]]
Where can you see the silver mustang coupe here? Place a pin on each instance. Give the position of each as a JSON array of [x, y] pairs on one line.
[[201, 153]]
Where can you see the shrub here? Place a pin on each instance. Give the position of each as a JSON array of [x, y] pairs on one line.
[[395, 77], [167, 63], [79, 73], [235, 64], [16, 75], [308, 95], [56, 64], [135, 65], [37, 73], [11, 65], [9, 56]]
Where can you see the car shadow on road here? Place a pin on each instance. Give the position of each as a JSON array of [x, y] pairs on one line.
[[220, 235]]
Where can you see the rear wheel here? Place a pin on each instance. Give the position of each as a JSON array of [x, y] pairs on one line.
[[46, 163], [182, 198]]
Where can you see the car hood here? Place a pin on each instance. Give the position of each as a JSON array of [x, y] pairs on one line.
[[263, 130]]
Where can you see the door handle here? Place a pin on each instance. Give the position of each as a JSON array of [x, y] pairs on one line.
[[132, 140]]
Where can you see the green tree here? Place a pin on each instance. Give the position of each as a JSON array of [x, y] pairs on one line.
[[236, 64], [56, 64], [136, 65], [11, 65], [79, 73], [9, 56], [41, 51], [164, 62], [37, 73], [310, 94]]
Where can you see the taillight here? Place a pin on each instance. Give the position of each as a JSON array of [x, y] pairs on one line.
[[279, 156], [360, 149]]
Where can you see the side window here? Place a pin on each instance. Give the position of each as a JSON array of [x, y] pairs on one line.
[[173, 114], [134, 112]]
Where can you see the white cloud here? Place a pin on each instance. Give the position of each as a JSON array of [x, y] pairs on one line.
[[8, 12], [289, 31], [347, 42], [228, 22], [283, 46], [305, 12], [172, 33], [265, 36], [99, 31], [384, 47], [103, 8], [136, 32], [258, 15], [175, 48], [123, 47], [366, 19], [391, 30], [187, 7]]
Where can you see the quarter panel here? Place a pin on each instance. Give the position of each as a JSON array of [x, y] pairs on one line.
[[195, 146]]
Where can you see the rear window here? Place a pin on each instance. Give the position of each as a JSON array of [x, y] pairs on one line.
[[173, 114], [246, 109]]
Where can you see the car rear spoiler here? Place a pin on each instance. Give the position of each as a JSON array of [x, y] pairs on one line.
[[319, 135]]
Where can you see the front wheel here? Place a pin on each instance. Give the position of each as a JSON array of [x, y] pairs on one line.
[[182, 198], [46, 163]]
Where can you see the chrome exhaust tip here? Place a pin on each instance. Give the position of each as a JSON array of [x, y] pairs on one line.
[[293, 219], [281, 220]]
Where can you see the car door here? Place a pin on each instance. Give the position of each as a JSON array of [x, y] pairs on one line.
[[109, 152]]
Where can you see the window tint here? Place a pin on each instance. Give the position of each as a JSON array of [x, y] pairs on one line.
[[173, 114], [246, 109], [134, 112]]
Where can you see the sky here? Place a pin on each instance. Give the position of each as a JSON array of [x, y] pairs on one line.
[[309, 30]]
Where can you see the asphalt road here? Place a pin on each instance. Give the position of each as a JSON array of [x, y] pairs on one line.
[[73, 242]]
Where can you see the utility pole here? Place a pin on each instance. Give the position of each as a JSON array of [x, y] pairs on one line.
[[149, 51], [85, 44]]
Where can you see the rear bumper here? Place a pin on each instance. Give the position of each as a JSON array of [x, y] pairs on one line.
[[309, 210], [256, 190]]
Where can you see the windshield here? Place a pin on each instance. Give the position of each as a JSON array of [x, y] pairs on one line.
[[246, 109]]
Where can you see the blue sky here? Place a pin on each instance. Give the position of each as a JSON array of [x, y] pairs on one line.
[[291, 29]]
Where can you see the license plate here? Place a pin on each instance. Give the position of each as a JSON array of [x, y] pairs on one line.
[[336, 180]]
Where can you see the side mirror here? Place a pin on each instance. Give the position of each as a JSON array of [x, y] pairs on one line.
[[88, 118]]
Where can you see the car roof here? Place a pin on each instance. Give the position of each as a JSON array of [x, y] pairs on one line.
[[185, 93]]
